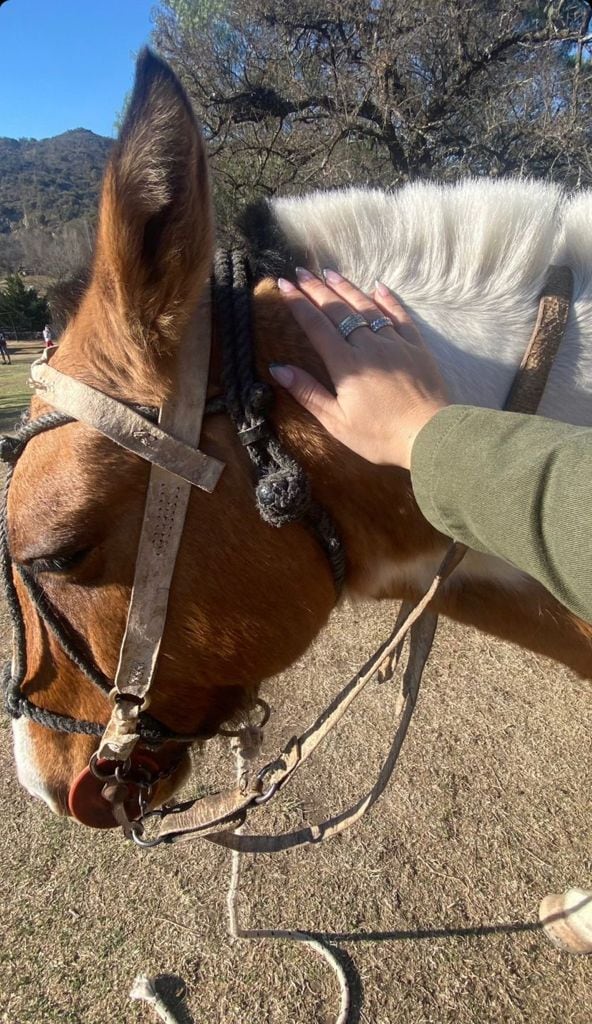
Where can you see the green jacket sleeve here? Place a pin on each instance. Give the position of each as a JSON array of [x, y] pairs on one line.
[[515, 486]]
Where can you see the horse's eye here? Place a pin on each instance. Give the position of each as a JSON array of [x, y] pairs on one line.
[[59, 563]]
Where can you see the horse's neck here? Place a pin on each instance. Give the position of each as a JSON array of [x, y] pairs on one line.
[[392, 551]]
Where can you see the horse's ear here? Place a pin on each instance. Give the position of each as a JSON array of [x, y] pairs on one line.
[[155, 234]]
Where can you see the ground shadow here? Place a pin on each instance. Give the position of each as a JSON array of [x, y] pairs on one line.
[[173, 990], [354, 982], [430, 933]]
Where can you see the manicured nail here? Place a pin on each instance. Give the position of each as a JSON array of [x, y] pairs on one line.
[[285, 286], [304, 275], [283, 374], [332, 277], [382, 289]]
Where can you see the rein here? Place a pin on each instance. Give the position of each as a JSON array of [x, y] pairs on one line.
[[282, 493]]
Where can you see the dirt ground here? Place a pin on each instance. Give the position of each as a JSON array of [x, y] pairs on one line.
[[431, 902]]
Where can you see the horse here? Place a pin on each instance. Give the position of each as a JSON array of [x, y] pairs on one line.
[[247, 597]]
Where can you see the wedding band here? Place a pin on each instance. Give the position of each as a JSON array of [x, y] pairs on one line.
[[351, 323], [381, 321]]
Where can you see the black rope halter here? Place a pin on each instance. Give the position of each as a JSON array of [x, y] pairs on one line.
[[282, 494]]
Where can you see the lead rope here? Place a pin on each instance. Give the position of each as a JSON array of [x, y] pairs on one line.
[[246, 746]]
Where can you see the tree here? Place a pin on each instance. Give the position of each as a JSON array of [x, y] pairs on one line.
[[296, 95], [21, 307]]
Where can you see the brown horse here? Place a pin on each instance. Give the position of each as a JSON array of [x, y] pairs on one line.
[[247, 598]]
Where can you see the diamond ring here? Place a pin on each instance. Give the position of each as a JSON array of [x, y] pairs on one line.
[[351, 323], [381, 321]]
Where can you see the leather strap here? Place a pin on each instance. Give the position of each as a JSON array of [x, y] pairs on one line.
[[214, 813], [421, 640], [164, 517], [298, 749], [126, 427], [554, 305]]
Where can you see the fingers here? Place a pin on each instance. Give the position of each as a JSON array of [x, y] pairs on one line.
[[306, 390], [390, 305], [336, 297], [320, 330], [320, 306]]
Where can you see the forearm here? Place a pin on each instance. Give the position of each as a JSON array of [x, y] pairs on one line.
[[519, 487]]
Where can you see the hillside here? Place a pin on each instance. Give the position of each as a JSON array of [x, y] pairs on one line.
[[48, 199]]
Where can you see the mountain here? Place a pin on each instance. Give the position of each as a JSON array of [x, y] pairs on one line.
[[48, 199]]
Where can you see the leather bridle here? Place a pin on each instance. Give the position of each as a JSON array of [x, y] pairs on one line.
[[282, 496]]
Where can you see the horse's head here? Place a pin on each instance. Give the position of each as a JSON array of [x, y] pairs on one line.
[[246, 599]]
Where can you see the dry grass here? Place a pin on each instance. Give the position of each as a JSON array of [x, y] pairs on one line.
[[432, 900], [15, 393]]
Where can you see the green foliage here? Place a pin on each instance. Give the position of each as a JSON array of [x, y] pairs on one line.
[[21, 307], [49, 182]]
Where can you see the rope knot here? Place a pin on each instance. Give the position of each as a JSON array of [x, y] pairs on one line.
[[13, 706], [259, 398], [283, 495]]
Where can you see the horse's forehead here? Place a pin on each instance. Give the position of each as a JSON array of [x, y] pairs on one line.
[[62, 480]]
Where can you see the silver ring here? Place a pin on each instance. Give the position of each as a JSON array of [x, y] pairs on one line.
[[381, 321], [350, 324]]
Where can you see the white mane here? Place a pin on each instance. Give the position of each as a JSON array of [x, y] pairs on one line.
[[468, 261]]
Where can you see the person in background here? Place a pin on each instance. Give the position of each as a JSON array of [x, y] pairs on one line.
[[48, 337], [4, 349]]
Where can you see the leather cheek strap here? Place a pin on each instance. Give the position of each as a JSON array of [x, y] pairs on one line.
[[177, 465]]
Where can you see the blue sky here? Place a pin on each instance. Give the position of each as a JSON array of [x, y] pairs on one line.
[[67, 63]]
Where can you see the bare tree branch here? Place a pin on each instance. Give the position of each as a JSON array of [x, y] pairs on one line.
[[382, 91]]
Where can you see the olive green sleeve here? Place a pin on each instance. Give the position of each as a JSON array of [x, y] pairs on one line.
[[515, 486]]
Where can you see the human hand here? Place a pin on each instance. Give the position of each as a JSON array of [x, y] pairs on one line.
[[387, 385]]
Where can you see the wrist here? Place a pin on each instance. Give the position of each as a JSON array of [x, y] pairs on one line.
[[420, 421]]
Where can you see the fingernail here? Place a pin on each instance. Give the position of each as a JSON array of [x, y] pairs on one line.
[[382, 289], [304, 275], [283, 374], [332, 277], [285, 286]]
